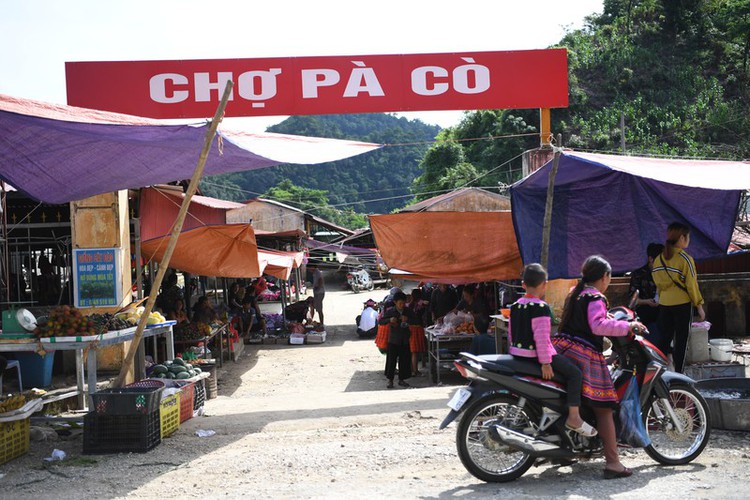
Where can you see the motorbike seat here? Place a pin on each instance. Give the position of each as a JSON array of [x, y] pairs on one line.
[[511, 365]]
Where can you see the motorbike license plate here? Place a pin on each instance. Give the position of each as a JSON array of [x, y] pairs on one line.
[[459, 399]]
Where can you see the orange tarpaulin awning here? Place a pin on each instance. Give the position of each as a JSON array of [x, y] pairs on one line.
[[280, 264], [459, 246], [227, 251]]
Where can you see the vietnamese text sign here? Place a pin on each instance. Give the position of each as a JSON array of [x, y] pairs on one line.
[[96, 277], [324, 85]]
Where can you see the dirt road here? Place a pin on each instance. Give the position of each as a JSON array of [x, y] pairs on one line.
[[318, 422]]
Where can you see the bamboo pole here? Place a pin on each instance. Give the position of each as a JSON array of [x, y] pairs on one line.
[[164, 264], [547, 227]]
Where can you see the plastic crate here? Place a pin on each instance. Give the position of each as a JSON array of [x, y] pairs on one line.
[[127, 400], [704, 371], [14, 439], [103, 434], [149, 383], [186, 401], [169, 415], [199, 394]]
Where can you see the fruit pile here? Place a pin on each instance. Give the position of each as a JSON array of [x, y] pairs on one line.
[[176, 369], [134, 314], [108, 322], [467, 328], [65, 321], [12, 402]]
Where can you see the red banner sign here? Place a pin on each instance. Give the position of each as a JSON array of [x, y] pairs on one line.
[[324, 85]]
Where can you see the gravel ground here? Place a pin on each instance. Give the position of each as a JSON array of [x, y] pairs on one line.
[[318, 422]]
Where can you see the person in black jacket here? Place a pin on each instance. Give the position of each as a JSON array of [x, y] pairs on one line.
[[399, 318]]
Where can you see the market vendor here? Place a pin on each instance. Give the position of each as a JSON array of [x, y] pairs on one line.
[[482, 343], [367, 322], [177, 312], [642, 281], [253, 299], [473, 303], [247, 318], [442, 301], [203, 312], [236, 299], [170, 292], [299, 311], [260, 286]]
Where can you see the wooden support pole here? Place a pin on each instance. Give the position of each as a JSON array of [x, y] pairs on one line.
[[547, 227], [164, 264], [545, 128]]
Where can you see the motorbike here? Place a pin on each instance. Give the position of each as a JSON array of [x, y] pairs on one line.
[[511, 419], [359, 280]]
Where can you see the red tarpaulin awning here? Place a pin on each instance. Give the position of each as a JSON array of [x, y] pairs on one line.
[[459, 246]]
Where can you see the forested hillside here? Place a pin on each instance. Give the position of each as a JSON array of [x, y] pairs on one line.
[[676, 73], [384, 175]]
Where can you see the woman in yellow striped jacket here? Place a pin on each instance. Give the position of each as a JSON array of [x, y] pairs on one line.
[[677, 283]]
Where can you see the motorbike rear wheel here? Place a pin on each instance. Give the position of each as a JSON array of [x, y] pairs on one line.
[[668, 445], [483, 457]]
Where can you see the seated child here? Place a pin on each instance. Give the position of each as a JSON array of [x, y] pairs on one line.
[[529, 337], [482, 343]]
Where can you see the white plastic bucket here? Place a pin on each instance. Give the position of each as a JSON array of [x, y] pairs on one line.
[[721, 349], [697, 351]]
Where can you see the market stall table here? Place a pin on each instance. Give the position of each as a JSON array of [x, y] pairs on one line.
[[453, 343], [12, 343], [221, 332]]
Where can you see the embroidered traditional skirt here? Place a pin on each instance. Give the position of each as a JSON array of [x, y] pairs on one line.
[[381, 339], [597, 385], [416, 339]]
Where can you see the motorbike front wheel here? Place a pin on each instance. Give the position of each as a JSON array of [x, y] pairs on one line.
[[669, 445], [483, 457]]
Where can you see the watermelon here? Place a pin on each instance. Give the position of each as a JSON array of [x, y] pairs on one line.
[[160, 369], [182, 376], [179, 361], [169, 375], [198, 369], [177, 369]]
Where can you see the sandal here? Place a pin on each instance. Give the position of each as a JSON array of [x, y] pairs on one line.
[[417, 374], [584, 430], [613, 474]]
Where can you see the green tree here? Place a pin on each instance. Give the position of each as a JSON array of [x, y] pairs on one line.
[[315, 201], [482, 150]]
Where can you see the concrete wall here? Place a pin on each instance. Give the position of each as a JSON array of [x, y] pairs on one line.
[[267, 217]]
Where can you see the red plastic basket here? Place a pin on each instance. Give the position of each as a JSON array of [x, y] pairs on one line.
[[187, 393]]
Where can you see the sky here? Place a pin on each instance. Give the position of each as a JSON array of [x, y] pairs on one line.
[[37, 37]]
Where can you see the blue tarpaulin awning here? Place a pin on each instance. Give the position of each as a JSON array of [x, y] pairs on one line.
[[615, 206]]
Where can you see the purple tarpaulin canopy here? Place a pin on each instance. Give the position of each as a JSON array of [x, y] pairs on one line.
[[58, 154], [616, 205]]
